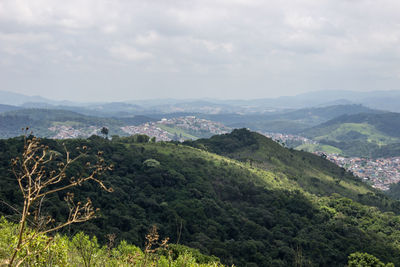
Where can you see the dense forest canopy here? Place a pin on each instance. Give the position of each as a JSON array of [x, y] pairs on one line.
[[239, 196]]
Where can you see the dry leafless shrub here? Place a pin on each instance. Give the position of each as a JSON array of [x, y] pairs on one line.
[[37, 178]]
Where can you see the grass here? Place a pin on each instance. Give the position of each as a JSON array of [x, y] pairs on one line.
[[319, 147], [371, 133], [173, 130]]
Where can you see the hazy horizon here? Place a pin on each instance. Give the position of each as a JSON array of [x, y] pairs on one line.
[[335, 93]]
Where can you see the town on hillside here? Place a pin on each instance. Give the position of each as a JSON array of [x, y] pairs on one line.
[[379, 173], [178, 129]]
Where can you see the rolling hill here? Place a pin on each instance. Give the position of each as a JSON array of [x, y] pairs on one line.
[[62, 124], [362, 134], [40, 120], [289, 121], [239, 196], [311, 172]]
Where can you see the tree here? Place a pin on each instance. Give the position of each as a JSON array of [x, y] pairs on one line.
[[40, 174], [359, 259], [104, 131]]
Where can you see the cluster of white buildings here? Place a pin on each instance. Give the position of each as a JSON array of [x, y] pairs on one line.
[[191, 123], [380, 173], [149, 129], [289, 137], [65, 131]]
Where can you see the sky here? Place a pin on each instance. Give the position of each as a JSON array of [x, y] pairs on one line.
[[116, 50]]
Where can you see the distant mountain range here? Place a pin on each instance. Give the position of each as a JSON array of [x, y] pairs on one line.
[[384, 100]]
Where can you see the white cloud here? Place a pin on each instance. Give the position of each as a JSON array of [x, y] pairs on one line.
[[149, 38], [258, 41], [23, 38], [216, 46], [127, 52]]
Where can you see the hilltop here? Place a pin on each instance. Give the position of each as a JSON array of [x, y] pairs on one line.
[[308, 171], [362, 134], [255, 202], [62, 124]]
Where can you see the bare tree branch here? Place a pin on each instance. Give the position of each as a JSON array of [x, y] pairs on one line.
[[35, 176]]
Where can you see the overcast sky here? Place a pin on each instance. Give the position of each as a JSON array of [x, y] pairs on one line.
[[127, 49]]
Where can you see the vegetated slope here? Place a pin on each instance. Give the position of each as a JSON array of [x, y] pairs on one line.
[[361, 134], [273, 126], [39, 120], [316, 115], [5, 108], [247, 215], [294, 121], [83, 250], [319, 147], [394, 191], [312, 173]]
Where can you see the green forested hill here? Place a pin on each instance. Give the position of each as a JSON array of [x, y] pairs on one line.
[[387, 123], [264, 205], [313, 173], [293, 121], [362, 134], [39, 121]]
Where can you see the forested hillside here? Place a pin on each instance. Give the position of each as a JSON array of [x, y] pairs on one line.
[[365, 134], [258, 205], [313, 173]]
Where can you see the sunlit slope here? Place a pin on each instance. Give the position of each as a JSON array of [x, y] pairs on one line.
[[247, 211], [312, 173], [368, 135], [318, 147]]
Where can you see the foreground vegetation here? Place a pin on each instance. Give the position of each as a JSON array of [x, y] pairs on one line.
[[83, 250], [239, 196]]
